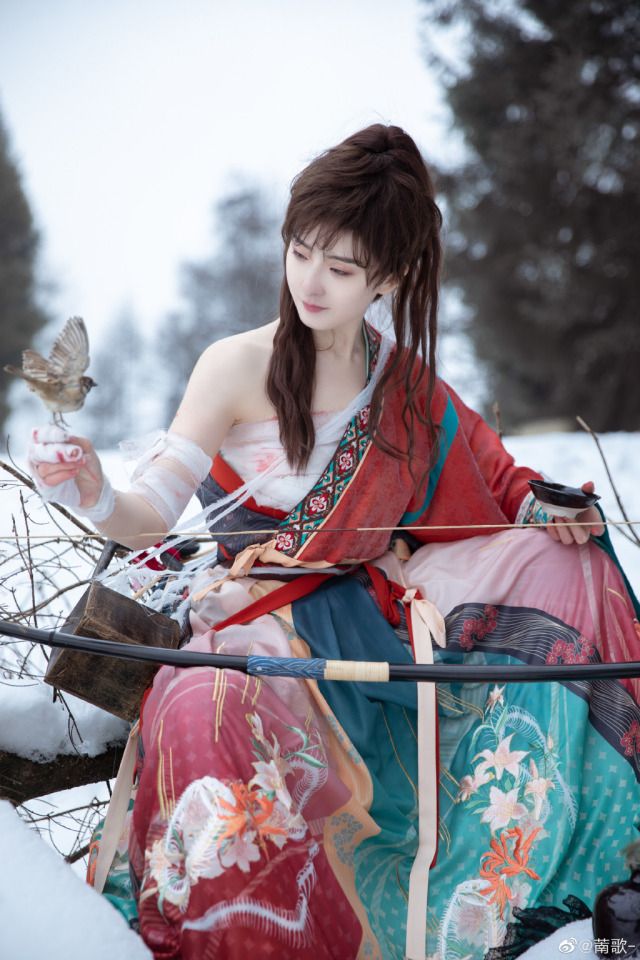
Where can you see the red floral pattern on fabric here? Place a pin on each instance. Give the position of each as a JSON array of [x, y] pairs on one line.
[[477, 628], [631, 740], [567, 651]]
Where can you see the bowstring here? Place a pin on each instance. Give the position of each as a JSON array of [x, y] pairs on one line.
[[209, 534]]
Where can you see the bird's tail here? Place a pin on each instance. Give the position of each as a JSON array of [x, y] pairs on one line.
[[15, 371]]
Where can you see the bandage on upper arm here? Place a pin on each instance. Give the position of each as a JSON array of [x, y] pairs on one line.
[[168, 475]]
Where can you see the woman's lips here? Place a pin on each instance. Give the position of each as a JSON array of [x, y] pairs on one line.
[[312, 308]]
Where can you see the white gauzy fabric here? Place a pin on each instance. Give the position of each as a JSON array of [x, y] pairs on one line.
[[50, 444], [169, 473], [250, 448]]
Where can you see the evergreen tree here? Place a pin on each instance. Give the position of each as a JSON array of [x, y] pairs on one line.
[[234, 289], [20, 316], [544, 214]]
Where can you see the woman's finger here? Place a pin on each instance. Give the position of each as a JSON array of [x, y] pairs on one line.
[[593, 516], [564, 533], [52, 475]]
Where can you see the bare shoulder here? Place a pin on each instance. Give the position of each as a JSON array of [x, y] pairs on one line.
[[227, 385], [246, 354]]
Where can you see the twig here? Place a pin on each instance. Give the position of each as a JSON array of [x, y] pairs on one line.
[[496, 412], [65, 813], [78, 854], [29, 558], [54, 596], [28, 482], [632, 535]]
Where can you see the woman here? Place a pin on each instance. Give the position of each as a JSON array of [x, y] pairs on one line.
[[278, 817]]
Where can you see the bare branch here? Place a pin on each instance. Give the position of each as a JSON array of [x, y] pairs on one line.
[[28, 482], [632, 535]]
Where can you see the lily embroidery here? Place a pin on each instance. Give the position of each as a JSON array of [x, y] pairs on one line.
[[503, 758], [537, 788], [503, 808], [470, 785], [495, 697]]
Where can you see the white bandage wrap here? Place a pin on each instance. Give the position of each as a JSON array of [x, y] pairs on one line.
[[50, 444], [168, 475], [104, 505]]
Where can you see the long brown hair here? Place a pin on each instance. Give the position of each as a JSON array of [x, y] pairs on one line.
[[376, 185]]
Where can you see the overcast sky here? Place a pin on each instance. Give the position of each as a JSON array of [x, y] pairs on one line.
[[129, 118]]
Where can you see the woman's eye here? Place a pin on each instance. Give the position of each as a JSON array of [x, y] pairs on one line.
[[300, 256]]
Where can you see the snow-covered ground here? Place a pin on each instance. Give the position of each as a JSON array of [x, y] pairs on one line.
[[46, 912], [33, 726]]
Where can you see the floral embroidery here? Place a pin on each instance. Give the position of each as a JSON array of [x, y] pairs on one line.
[[509, 790], [218, 825], [472, 922], [495, 698], [345, 461], [503, 808], [537, 788], [503, 758], [347, 828], [477, 628], [318, 504], [564, 651], [500, 862], [470, 785], [630, 740], [284, 541]]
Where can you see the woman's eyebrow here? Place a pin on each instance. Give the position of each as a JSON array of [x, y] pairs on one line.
[[330, 256]]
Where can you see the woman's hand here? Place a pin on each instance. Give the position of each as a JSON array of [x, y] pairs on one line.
[[65, 468], [564, 530]]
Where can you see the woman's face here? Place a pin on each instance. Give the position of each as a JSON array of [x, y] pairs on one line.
[[328, 279]]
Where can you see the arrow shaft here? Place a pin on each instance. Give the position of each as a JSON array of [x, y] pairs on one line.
[[321, 669]]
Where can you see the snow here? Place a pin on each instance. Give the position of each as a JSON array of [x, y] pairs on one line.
[[33, 726], [572, 458], [46, 911]]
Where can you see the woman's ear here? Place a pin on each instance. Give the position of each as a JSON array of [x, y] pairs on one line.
[[390, 284]]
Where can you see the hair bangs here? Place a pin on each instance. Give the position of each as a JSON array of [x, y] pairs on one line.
[[372, 249]]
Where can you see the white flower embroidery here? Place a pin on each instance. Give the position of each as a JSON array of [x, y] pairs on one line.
[[345, 460], [241, 851], [318, 503], [503, 758], [503, 808], [284, 541], [537, 788], [470, 785], [495, 698], [270, 776]]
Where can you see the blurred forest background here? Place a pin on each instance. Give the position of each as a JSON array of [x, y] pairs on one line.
[[542, 232]]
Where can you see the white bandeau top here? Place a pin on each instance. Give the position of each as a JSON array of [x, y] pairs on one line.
[[251, 448]]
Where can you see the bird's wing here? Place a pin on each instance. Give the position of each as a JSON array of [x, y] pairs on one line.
[[69, 356], [35, 367]]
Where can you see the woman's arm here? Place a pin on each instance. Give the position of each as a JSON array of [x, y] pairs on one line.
[[509, 483], [139, 516]]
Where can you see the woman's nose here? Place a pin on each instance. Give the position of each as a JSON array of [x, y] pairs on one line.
[[313, 283]]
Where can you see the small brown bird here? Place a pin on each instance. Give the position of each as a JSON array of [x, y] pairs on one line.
[[59, 381]]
